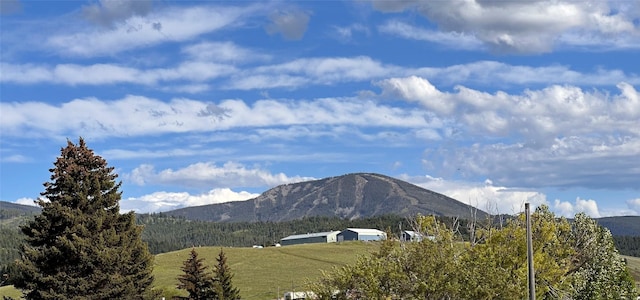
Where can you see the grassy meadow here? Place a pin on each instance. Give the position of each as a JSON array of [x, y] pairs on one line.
[[633, 263], [262, 273], [258, 273], [265, 273], [9, 291]]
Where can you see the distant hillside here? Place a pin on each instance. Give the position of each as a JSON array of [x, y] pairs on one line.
[[350, 196], [12, 213], [9, 210], [623, 225]]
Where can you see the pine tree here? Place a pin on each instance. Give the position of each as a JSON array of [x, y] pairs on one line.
[[222, 276], [80, 246], [195, 279]]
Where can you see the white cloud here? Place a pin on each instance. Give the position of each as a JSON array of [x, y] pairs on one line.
[[567, 209], [136, 116], [566, 162], [485, 196], [505, 200], [164, 201], [525, 26], [14, 158], [455, 40], [187, 88], [291, 24], [549, 112], [105, 74], [420, 90], [498, 74], [346, 33], [210, 175], [26, 201], [634, 204], [222, 52], [556, 136], [329, 70], [214, 62], [171, 24], [159, 152]]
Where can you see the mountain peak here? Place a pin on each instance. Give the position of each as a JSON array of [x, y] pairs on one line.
[[350, 196]]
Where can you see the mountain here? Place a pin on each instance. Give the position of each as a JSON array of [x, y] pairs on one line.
[[10, 210], [350, 196], [623, 225]]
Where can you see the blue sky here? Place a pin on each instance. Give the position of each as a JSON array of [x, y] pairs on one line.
[[494, 103]]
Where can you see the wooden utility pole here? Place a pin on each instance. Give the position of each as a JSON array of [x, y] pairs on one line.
[[532, 278]]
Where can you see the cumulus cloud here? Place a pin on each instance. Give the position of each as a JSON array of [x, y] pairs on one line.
[[164, 201], [26, 201], [107, 12], [210, 175], [510, 200], [567, 209], [606, 162], [549, 112], [556, 136], [484, 195], [523, 26], [291, 24]]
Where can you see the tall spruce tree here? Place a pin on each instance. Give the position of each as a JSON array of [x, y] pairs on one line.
[[80, 246], [196, 280], [224, 289]]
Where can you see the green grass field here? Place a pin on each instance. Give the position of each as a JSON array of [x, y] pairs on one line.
[[265, 273], [633, 263], [9, 291], [258, 273]]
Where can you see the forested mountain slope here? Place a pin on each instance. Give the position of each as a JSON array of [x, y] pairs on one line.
[[350, 196], [623, 225]]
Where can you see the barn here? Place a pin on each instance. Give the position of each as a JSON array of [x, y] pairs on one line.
[[319, 237], [361, 234]]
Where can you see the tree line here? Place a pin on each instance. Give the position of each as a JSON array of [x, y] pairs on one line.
[[165, 233]]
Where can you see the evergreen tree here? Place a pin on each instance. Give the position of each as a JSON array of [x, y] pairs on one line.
[[195, 279], [80, 246], [222, 276]]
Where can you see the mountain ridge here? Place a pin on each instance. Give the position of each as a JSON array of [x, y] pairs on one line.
[[350, 196]]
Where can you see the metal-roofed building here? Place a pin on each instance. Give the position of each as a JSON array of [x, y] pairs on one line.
[[409, 235], [319, 237], [361, 234]]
